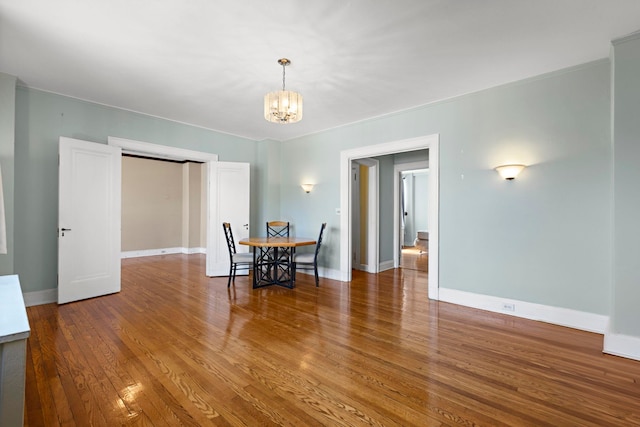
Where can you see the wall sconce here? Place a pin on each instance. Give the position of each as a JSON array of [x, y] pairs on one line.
[[509, 172], [307, 187]]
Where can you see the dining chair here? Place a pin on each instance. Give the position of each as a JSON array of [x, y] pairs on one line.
[[238, 260], [277, 229], [309, 261]]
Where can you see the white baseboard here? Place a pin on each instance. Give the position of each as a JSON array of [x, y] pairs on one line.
[[327, 273], [162, 251], [556, 315], [386, 265], [190, 251], [40, 297], [622, 345], [330, 273]]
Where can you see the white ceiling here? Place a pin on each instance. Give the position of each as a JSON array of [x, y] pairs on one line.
[[210, 62]]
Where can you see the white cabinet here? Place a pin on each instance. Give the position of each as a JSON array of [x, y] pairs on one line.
[[14, 331]]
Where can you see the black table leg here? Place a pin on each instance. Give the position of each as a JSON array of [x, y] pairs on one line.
[[272, 266]]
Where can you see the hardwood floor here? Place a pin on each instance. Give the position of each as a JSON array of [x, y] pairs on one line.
[[175, 348], [413, 259]]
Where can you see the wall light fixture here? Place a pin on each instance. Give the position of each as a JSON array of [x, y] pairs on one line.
[[509, 172]]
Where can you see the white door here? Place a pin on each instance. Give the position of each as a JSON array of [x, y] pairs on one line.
[[88, 220], [229, 191]]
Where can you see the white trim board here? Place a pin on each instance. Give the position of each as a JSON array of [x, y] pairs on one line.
[[46, 296], [556, 315], [327, 273], [162, 251], [139, 148], [622, 345], [387, 265]]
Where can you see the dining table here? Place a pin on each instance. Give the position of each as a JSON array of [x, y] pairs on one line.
[[273, 259]]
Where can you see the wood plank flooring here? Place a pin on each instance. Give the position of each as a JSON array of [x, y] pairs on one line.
[[412, 259], [175, 348]]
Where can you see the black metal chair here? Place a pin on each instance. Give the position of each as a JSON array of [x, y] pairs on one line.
[[309, 261], [238, 260], [277, 229]]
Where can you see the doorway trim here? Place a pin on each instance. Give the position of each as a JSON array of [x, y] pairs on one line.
[[430, 142], [157, 151]]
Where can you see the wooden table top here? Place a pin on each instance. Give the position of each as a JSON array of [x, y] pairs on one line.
[[281, 242]]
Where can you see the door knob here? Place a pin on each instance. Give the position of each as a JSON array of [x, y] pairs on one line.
[[63, 230]]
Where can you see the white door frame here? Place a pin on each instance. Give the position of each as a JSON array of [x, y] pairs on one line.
[[430, 142], [397, 222], [157, 151]]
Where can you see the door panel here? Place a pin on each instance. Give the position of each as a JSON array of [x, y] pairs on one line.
[[229, 201], [88, 220]]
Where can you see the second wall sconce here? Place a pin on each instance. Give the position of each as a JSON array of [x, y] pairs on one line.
[[307, 187], [509, 172]]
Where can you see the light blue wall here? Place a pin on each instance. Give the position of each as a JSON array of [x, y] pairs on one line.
[[543, 238], [385, 209], [7, 153], [411, 156], [421, 206], [317, 164], [41, 118], [268, 185], [625, 318]]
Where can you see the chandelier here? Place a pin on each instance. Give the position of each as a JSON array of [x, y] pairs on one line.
[[283, 106]]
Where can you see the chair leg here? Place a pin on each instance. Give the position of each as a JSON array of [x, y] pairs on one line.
[[315, 270], [230, 272]]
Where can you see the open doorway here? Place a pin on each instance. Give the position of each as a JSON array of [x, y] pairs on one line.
[[430, 143], [163, 206], [412, 194], [163, 152], [404, 199], [225, 180]]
